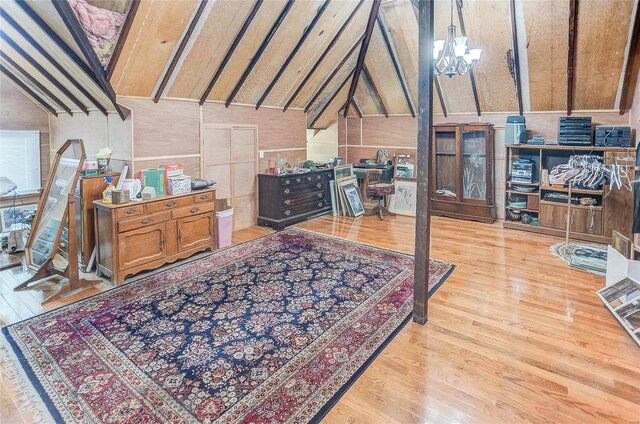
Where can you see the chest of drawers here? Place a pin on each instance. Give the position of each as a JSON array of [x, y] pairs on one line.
[[288, 199], [138, 236]]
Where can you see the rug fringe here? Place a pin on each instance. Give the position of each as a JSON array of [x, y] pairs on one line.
[[29, 401]]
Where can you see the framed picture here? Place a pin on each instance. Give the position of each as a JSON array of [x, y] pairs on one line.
[[342, 171], [14, 217], [342, 199], [403, 202], [354, 202], [405, 166]]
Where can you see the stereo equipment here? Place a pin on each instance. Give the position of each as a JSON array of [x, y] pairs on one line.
[[607, 136], [573, 131], [522, 171]]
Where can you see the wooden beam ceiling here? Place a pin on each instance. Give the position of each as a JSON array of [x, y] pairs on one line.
[[331, 99], [356, 107], [373, 90], [258, 54], [178, 54], [322, 56], [35, 97], [516, 55], [232, 48], [122, 38], [396, 63], [363, 52], [472, 76], [443, 103], [286, 63]]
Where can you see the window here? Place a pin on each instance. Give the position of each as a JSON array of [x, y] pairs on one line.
[[20, 159]]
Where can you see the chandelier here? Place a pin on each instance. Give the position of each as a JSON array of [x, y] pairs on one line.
[[450, 56]]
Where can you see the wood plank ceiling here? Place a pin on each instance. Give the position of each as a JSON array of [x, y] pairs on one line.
[[303, 54]]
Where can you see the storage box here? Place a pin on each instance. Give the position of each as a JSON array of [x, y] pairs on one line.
[[153, 178], [171, 170], [178, 184]]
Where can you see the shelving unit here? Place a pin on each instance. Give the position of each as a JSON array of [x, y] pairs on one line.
[[588, 223]]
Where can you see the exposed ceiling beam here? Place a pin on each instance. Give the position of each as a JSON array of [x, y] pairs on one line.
[[356, 106], [180, 50], [39, 100], [258, 54], [122, 38], [332, 75], [326, 105], [443, 103], [516, 55], [35, 82], [56, 39], [73, 25], [628, 78], [53, 61], [286, 63], [571, 57], [423, 162], [43, 71], [396, 63], [472, 75], [363, 52], [232, 48], [371, 87], [322, 56]]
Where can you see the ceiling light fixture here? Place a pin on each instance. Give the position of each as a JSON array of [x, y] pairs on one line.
[[450, 56]]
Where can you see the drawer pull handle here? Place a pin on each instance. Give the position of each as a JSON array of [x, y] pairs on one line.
[[320, 194], [319, 185], [286, 202], [287, 191], [287, 182], [287, 212], [298, 180], [309, 178], [170, 204], [319, 204], [146, 221], [203, 197], [131, 211], [194, 210]]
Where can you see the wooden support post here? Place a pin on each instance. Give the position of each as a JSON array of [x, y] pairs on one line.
[[425, 133], [571, 57], [363, 53], [627, 84]]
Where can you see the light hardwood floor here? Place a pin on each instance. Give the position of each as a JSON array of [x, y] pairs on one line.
[[514, 335]]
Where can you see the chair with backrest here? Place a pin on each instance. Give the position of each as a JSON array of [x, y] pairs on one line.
[[377, 189]]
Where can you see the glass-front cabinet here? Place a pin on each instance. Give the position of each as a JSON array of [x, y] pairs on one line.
[[462, 172]]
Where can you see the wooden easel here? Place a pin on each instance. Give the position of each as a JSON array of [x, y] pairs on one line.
[[71, 275]]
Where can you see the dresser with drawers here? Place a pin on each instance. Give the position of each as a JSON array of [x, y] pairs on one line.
[[290, 198], [138, 236]]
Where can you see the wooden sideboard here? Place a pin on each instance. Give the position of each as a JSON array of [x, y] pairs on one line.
[[138, 236], [291, 198]]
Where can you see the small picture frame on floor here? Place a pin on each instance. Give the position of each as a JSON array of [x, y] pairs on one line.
[[403, 202], [354, 202]]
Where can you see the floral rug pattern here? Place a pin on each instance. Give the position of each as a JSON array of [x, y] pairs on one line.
[[272, 330], [589, 257]]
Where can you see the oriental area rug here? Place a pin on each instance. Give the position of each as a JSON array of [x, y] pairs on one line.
[[588, 257], [273, 330]]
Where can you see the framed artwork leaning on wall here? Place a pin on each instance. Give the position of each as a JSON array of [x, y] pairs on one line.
[[403, 202]]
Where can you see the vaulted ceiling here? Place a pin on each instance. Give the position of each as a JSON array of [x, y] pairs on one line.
[[305, 54]]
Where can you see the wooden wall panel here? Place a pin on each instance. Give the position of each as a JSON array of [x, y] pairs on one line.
[[547, 53], [365, 100], [457, 90], [353, 130], [315, 44], [209, 48], [350, 35], [495, 79], [257, 31], [276, 130], [342, 130], [400, 131], [154, 34], [383, 74], [600, 44], [279, 48], [166, 128]]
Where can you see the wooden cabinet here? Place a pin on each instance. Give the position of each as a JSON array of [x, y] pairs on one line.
[[462, 172], [287, 199], [134, 237], [583, 218]]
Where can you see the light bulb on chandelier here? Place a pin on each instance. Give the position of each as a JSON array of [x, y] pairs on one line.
[[450, 56]]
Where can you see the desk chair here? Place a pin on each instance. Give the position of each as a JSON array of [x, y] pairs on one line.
[[378, 190]]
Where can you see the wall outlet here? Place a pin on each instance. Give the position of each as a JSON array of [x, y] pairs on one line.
[[261, 154]]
